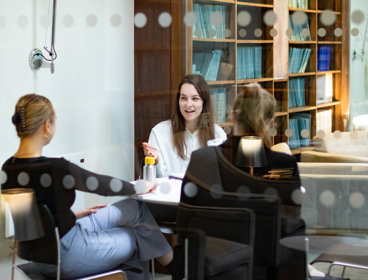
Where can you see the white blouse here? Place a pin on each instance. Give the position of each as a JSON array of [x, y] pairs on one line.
[[169, 160]]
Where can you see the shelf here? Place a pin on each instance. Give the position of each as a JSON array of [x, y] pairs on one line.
[[301, 109], [255, 41], [301, 74], [329, 72], [255, 80], [241, 54], [303, 10], [211, 83], [281, 114], [302, 42], [254, 4], [336, 13], [213, 40], [329, 104], [329, 43]]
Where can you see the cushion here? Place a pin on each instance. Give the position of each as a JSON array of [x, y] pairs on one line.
[[281, 148], [223, 255]]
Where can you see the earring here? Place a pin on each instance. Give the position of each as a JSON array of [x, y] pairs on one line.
[[46, 136]]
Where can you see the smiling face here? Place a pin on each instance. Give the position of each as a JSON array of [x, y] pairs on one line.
[[190, 104]]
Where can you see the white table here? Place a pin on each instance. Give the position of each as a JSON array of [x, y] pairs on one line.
[[167, 192]]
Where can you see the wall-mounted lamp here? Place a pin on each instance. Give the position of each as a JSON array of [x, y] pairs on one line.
[[250, 153]]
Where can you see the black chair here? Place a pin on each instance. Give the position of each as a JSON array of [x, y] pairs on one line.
[[45, 249], [214, 243], [218, 183]]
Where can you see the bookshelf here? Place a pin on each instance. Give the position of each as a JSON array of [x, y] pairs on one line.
[[306, 70]]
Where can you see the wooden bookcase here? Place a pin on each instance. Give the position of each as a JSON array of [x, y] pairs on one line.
[[274, 50]]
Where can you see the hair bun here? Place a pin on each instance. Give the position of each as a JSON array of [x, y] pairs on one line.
[[15, 118]]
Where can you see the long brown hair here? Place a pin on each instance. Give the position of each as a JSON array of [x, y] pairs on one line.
[[252, 109], [31, 111], [205, 122]]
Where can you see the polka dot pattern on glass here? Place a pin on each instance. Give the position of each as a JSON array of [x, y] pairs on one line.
[[164, 20], [216, 19], [357, 200], [327, 198], [321, 32], [45, 21], [23, 178], [45, 180], [354, 135], [270, 18], [337, 134], [228, 33], [354, 32], [227, 130], [273, 32], [258, 32], [140, 20], [91, 20], [116, 185], [68, 21], [242, 32], [357, 16], [23, 21], [289, 132], [243, 192], [189, 19], [68, 182], [92, 183], [3, 177], [289, 32], [328, 17], [321, 134], [297, 196], [304, 133], [271, 193], [2, 21], [139, 186], [190, 189], [216, 191], [165, 187], [338, 32], [212, 33], [272, 131], [115, 20], [244, 18], [299, 18]]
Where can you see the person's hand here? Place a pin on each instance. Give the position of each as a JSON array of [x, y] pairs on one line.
[[143, 186], [150, 151], [89, 211]]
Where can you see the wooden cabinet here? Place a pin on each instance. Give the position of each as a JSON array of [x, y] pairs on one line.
[[230, 44]]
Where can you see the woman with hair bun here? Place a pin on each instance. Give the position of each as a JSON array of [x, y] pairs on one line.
[[96, 239]]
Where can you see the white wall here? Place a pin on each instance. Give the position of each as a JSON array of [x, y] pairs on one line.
[[359, 65], [92, 88]]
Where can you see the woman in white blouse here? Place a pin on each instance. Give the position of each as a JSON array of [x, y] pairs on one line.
[[172, 142]]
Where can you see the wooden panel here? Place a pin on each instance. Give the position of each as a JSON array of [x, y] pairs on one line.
[[158, 67]]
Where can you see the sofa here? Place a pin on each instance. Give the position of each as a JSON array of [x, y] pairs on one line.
[[343, 147], [334, 195]]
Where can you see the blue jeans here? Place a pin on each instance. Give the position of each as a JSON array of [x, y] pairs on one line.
[[121, 233]]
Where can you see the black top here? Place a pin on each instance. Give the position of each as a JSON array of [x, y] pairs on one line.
[[55, 181], [275, 160]]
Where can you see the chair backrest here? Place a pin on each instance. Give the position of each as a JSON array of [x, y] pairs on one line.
[[267, 219], [218, 183], [44, 249]]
